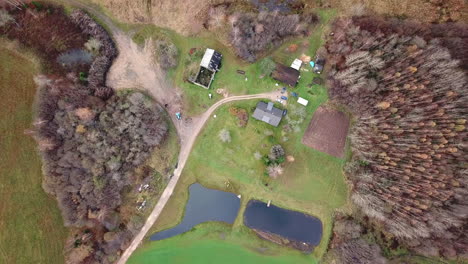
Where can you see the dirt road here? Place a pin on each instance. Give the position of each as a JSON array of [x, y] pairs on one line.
[[136, 68], [187, 141]]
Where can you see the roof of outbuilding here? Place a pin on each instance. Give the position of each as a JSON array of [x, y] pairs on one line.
[[285, 74], [211, 60], [267, 113]]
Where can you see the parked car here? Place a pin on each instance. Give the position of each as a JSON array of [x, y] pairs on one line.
[[283, 90], [294, 94], [285, 111], [319, 64], [284, 97]]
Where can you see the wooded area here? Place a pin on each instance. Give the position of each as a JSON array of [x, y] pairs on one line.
[[406, 84], [254, 34], [91, 140]]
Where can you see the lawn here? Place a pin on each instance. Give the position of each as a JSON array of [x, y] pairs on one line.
[[204, 240], [313, 183], [196, 98], [31, 226]]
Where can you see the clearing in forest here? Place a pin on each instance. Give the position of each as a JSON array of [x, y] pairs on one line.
[[327, 131]]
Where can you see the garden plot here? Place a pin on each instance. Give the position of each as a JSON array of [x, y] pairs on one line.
[[327, 131]]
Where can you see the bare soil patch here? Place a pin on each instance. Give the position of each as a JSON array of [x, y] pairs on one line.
[[327, 131]]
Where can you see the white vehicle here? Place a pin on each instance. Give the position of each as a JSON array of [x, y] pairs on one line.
[[280, 101]]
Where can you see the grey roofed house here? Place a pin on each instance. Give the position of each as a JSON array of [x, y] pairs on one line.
[[267, 113]]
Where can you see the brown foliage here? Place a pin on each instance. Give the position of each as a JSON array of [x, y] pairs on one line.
[[253, 34], [407, 96], [241, 114], [48, 31]]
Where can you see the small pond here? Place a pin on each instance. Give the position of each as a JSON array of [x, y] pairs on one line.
[[204, 205], [289, 224], [273, 5]]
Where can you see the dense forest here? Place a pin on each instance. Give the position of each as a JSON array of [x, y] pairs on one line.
[[90, 138], [406, 83]]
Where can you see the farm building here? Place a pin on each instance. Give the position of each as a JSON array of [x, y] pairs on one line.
[[210, 64], [267, 113], [285, 74]]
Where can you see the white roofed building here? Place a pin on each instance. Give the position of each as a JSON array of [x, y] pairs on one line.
[[302, 101]]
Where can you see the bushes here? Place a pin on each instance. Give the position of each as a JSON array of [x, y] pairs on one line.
[[267, 65], [167, 53], [224, 135], [241, 115], [253, 34]]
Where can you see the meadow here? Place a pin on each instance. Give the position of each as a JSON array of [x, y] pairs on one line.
[[28, 216]]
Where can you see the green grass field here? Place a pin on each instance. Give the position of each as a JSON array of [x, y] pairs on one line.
[[217, 241], [31, 227]]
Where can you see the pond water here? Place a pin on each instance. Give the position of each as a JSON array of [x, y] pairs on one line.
[[273, 5], [204, 205], [289, 224], [75, 57]]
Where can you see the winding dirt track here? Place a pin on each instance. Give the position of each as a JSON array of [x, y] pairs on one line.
[[135, 67], [186, 147]]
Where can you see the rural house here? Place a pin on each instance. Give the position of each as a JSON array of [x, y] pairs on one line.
[[285, 74], [210, 64], [267, 113]]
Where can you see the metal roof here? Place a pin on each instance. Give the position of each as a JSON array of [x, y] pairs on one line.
[[211, 60], [268, 114], [285, 74], [297, 63]]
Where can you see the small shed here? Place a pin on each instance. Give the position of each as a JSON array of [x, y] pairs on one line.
[[285, 74], [297, 63], [209, 65], [302, 101], [267, 113]]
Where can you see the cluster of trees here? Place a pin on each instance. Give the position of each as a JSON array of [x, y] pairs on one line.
[[349, 244], [106, 54], [273, 161], [90, 149], [253, 34], [410, 99]]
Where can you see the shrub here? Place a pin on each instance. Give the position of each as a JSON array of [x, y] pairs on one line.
[[267, 65], [224, 135], [93, 45], [167, 53], [276, 152], [274, 170]]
